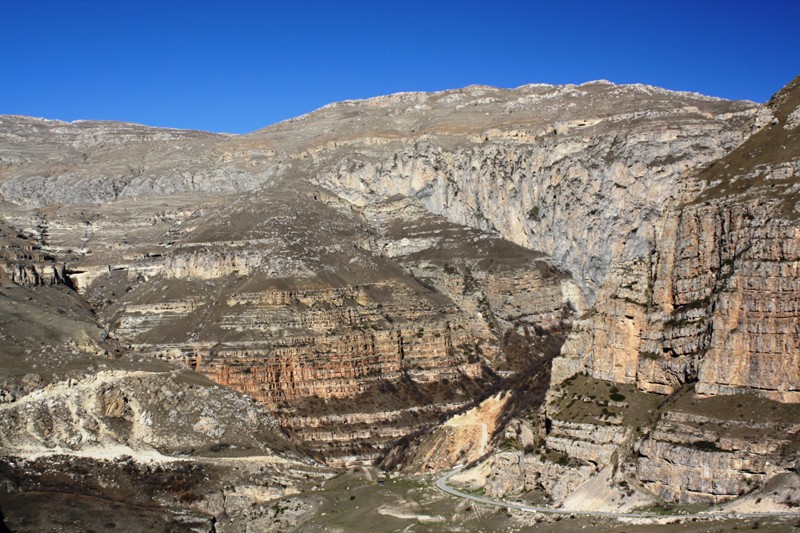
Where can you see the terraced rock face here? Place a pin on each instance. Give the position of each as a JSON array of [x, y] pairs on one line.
[[306, 315], [716, 449], [713, 307], [369, 268], [87, 427], [681, 381], [356, 326]]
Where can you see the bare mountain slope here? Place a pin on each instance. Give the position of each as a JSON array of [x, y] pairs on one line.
[[547, 167], [97, 430], [370, 268]]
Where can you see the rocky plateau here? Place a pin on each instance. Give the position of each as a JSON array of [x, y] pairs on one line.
[[586, 295]]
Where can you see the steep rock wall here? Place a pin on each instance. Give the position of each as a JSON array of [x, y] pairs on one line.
[[714, 307], [716, 301], [557, 189]]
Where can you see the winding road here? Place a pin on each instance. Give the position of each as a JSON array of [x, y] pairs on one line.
[[442, 485]]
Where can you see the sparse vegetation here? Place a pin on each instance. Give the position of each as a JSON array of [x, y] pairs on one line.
[[584, 399], [669, 508]]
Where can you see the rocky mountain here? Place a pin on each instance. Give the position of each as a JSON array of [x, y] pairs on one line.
[[520, 162], [681, 382], [713, 309], [333, 288]]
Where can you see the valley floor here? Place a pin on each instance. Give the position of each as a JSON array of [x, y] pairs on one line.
[[364, 499], [359, 499]]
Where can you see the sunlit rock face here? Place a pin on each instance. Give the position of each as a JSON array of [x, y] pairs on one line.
[[367, 269], [549, 168], [715, 302], [713, 309]]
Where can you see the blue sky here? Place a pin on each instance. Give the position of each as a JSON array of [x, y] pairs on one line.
[[238, 66]]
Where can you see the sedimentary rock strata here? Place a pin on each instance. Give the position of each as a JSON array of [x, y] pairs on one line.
[[715, 301], [365, 270], [713, 305]]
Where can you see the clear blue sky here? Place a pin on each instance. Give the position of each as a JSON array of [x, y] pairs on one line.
[[238, 66]]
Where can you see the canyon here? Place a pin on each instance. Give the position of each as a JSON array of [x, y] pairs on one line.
[[586, 294]]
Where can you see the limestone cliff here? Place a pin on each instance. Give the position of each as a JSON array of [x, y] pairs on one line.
[[529, 162], [714, 306], [305, 300], [714, 303], [640, 396], [365, 270]]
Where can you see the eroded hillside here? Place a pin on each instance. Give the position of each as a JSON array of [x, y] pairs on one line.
[[367, 270]]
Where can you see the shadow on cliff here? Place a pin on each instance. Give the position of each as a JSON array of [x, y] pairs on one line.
[[3, 528], [532, 353]]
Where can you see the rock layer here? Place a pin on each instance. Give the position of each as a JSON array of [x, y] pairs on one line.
[[716, 300], [379, 273], [317, 308], [714, 306]]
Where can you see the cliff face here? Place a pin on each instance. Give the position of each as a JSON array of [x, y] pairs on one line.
[[715, 303], [716, 306], [530, 162], [716, 449], [681, 381], [713, 307], [364, 270], [353, 351]]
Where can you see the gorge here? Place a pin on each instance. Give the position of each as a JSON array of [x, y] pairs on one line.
[[588, 296]]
